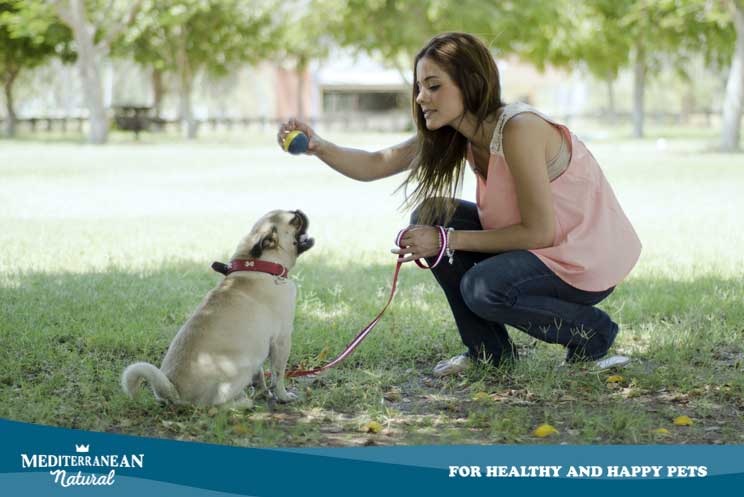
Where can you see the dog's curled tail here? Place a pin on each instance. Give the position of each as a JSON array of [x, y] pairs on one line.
[[132, 377]]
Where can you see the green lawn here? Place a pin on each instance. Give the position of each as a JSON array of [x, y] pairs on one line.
[[106, 252]]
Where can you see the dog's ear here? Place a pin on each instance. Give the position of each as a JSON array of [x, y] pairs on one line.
[[266, 242]]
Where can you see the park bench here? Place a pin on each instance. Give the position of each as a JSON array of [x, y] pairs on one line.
[[132, 118]]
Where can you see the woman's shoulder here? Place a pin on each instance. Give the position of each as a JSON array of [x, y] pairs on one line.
[[518, 119]]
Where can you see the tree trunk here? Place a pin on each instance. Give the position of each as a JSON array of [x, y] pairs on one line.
[[688, 103], [185, 80], [158, 91], [300, 71], [639, 83], [611, 112], [88, 63], [734, 102], [90, 57], [10, 125]]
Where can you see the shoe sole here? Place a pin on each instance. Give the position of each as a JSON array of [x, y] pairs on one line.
[[615, 361], [448, 370]]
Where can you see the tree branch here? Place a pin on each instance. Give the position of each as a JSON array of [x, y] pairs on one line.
[[120, 26], [63, 11]]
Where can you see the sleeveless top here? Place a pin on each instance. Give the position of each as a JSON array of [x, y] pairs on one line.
[[595, 246]]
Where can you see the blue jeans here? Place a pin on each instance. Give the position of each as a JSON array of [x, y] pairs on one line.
[[488, 291]]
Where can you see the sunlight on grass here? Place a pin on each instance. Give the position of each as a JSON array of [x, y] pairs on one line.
[[107, 250]]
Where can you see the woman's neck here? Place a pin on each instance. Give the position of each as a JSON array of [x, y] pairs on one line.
[[479, 137]]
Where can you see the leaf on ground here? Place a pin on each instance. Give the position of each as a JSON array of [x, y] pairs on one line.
[[173, 425], [392, 395], [322, 355], [630, 393], [678, 397], [481, 396], [682, 421], [544, 430], [514, 397], [242, 429], [372, 427], [615, 378], [661, 431]]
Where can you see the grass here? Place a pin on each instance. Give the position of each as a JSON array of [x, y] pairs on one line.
[[106, 252]]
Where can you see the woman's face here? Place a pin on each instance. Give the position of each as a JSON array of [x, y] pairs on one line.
[[438, 96]]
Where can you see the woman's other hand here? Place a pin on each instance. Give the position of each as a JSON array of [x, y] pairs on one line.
[[419, 242]]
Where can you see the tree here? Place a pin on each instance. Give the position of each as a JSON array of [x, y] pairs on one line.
[[304, 37], [391, 29], [602, 44], [94, 25], [24, 46], [670, 31], [185, 37], [607, 35], [734, 100]]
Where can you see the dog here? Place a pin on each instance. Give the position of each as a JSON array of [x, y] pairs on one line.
[[246, 319]]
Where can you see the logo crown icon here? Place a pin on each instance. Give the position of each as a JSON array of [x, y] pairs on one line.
[[82, 448]]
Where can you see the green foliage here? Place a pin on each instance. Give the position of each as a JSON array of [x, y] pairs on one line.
[[304, 33], [602, 34], [214, 35], [29, 36]]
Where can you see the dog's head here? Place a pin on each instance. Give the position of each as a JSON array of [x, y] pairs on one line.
[[279, 236]]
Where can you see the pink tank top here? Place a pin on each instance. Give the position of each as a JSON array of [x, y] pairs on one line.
[[595, 246]]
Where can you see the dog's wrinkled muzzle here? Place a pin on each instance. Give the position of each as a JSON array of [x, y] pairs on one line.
[[304, 242]]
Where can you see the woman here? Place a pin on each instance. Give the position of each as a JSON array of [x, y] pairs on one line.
[[546, 240]]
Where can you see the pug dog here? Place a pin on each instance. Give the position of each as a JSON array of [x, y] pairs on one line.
[[246, 319]]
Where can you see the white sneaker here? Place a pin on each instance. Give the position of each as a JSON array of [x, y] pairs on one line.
[[615, 361], [452, 365]]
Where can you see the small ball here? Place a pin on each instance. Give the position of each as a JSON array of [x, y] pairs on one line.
[[295, 142]]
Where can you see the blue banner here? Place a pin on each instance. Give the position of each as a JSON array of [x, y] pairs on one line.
[[43, 460]]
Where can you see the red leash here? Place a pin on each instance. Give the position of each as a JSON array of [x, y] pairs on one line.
[[365, 331], [357, 339]]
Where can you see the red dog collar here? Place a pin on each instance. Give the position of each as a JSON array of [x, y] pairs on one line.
[[251, 265]]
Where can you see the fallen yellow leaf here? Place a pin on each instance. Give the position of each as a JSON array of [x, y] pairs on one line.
[[322, 355], [682, 421], [544, 430], [481, 396], [372, 427], [615, 378], [661, 431], [242, 429]]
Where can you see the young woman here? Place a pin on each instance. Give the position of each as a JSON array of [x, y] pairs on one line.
[[546, 240]]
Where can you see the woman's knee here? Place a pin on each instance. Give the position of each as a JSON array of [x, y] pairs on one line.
[[484, 296]]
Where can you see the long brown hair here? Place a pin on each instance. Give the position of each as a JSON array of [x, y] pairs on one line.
[[439, 164]]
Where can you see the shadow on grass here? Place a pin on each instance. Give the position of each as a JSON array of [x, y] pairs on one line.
[[125, 314], [67, 337]]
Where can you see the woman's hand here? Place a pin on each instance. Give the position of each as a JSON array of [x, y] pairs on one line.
[[418, 242], [314, 141]]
